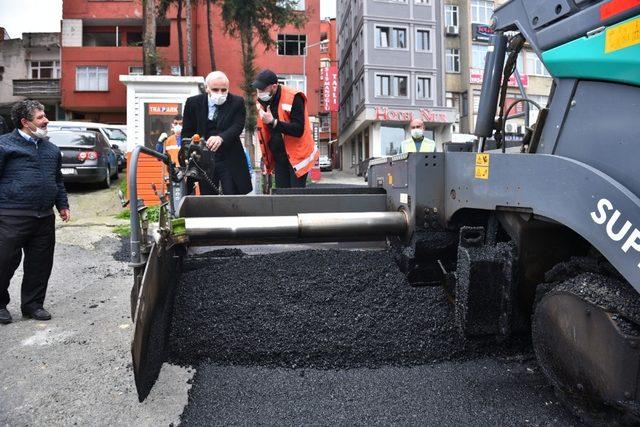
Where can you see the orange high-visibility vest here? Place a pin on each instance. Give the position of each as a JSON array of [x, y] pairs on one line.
[[302, 152]]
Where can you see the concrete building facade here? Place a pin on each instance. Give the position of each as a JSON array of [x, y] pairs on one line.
[[467, 31], [102, 40], [30, 69], [328, 113], [391, 58]]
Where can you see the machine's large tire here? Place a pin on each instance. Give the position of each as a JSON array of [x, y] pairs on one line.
[[586, 336]]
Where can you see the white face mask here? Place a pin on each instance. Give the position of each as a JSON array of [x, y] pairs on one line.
[[39, 132], [417, 133], [218, 98], [177, 129], [264, 96]]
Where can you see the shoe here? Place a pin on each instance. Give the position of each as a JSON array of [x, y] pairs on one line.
[[5, 316], [38, 314]]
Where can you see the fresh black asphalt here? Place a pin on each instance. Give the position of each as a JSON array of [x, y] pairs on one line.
[[340, 337]]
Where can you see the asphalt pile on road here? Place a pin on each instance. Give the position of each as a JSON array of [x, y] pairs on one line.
[[314, 309]]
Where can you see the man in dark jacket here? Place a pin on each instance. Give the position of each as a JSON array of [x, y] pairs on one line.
[[30, 185], [218, 117]]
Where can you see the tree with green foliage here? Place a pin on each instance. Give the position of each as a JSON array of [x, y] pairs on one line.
[[252, 21]]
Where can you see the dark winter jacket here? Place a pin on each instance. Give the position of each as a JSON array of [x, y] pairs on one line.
[[30, 177]]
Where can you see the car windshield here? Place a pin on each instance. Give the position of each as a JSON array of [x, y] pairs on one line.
[[115, 134], [72, 138]]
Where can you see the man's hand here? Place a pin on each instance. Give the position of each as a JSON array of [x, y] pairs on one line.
[[65, 215], [214, 142], [266, 116]]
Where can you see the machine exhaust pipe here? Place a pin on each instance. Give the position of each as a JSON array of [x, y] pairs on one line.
[[339, 226]]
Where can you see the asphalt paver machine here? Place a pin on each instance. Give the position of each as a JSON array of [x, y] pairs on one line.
[[544, 237]]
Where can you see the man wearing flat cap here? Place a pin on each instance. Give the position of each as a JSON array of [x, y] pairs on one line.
[[285, 136]]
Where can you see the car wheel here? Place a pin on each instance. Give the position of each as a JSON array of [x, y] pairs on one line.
[[115, 172], [106, 182]]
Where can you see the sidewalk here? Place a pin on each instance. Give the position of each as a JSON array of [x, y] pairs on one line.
[[341, 177]]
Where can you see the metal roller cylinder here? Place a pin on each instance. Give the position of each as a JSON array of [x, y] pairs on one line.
[[339, 225]]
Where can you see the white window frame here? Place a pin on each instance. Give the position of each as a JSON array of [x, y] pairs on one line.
[[483, 10], [422, 2], [449, 54], [451, 11], [378, 94], [484, 57], [55, 69], [430, 94], [294, 81], [535, 67], [133, 72], [100, 70], [391, 28], [429, 41]]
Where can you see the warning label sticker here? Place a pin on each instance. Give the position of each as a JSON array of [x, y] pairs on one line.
[[482, 159], [622, 36], [482, 166]]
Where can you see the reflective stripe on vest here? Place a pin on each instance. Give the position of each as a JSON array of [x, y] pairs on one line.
[[308, 160]]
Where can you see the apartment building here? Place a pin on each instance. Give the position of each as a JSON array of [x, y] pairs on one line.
[[329, 101], [30, 69], [102, 40], [391, 69], [467, 31]]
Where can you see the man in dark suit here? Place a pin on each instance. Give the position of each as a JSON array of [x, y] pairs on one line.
[[30, 186], [218, 117]]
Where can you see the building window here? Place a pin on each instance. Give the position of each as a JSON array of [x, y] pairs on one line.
[[391, 85], [175, 70], [422, 2], [136, 71], [423, 40], [451, 15], [291, 44], [395, 38], [295, 81], [92, 78], [453, 60], [478, 55], [535, 67], [325, 123], [298, 5], [423, 88], [481, 11], [362, 88], [45, 69], [391, 138]]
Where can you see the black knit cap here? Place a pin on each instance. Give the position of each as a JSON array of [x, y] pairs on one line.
[[264, 79]]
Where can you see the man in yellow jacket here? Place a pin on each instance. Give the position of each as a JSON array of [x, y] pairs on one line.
[[284, 132], [417, 143]]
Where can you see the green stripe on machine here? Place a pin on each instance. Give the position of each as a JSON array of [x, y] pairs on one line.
[[610, 55]]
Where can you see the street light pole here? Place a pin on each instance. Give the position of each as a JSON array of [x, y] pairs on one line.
[[304, 62]]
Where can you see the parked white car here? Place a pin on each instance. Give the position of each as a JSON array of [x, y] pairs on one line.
[[115, 134], [325, 163]]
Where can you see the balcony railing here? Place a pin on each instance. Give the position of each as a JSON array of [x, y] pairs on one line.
[[37, 89]]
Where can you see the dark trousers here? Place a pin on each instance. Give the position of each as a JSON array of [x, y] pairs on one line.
[[37, 238], [221, 177], [286, 176]]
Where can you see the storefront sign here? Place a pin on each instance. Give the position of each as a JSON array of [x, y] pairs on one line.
[[330, 88], [480, 32], [164, 109], [426, 114], [476, 77]]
